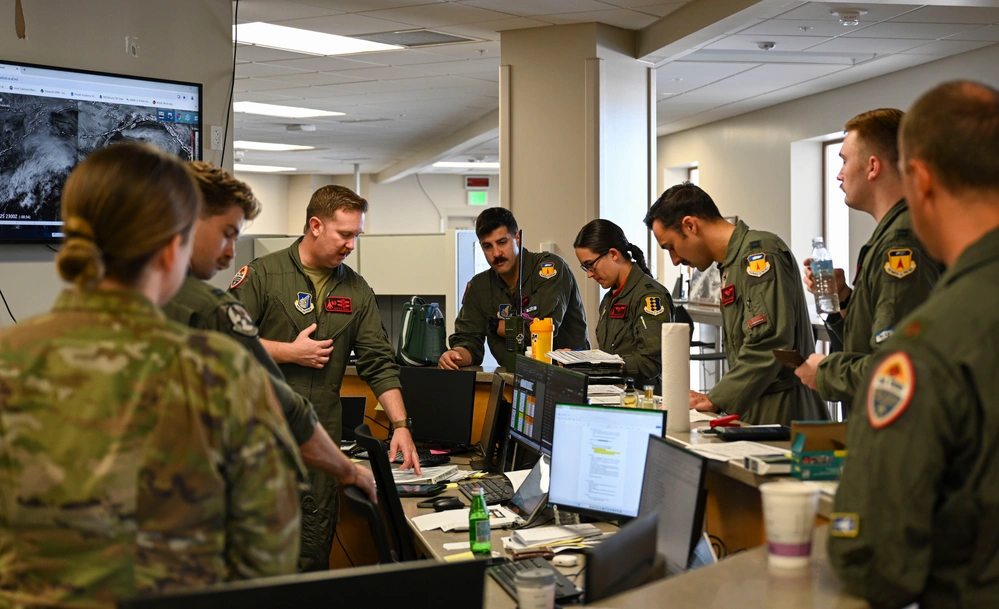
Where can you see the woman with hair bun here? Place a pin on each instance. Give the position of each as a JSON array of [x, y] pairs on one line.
[[136, 455], [636, 305]]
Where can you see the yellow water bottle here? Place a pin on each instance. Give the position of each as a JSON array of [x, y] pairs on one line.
[[541, 339]]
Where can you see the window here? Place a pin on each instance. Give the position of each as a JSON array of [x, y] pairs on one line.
[[694, 175], [835, 213]]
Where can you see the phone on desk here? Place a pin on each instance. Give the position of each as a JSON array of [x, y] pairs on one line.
[[419, 490], [790, 359]]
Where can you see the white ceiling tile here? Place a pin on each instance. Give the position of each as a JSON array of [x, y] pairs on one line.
[[346, 25], [438, 15], [397, 58], [749, 43], [783, 75], [274, 10], [866, 45], [659, 10], [918, 31], [489, 30], [620, 17], [258, 84], [990, 33], [466, 66], [327, 64], [246, 52], [357, 6], [540, 7], [490, 76], [692, 75], [952, 14], [467, 50], [329, 91], [793, 27], [821, 11], [637, 4], [256, 70], [945, 48], [381, 73], [264, 97], [312, 79]]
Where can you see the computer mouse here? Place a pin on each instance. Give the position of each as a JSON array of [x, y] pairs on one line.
[[565, 560], [447, 503]]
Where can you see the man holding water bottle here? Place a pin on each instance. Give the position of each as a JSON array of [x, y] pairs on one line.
[[894, 273]]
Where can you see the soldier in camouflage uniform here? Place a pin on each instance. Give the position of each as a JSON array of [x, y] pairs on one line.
[[636, 305], [138, 455], [227, 203], [894, 274], [916, 516], [763, 307], [548, 289], [312, 310]]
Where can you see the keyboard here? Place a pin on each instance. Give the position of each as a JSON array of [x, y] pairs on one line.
[[498, 490], [503, 573]]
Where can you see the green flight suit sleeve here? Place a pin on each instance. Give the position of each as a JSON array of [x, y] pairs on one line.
[[888, 508], [768, 323], [233, 320], [646, 360], [249, 291], [471, 326], [376, 363], [554, 296]]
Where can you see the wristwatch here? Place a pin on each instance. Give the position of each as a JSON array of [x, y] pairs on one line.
[[406, 423]]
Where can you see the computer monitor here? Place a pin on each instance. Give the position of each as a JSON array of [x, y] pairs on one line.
[[623, 561], [673, 487], [562, 387], [441, 404], [392, 585], [495, 426], [532, 416], [353, 415], [598, 458]]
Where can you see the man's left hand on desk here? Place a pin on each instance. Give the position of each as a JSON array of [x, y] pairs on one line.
[[700, 402]]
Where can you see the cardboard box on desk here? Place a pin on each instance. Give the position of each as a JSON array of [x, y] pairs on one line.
[[817, 450]]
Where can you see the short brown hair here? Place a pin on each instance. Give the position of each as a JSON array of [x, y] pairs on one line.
[[329, 199], [678, 202], [221, 191], [954, 127], [878, 133]]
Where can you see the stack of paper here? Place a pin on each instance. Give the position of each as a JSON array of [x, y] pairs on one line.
[[735, 451], [543, 536], [430, 475], [598, 365]]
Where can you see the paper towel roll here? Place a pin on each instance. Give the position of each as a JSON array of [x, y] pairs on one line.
[[676, 376]]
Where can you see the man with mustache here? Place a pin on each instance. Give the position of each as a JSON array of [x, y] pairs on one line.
[[312, 310], [548, 287]]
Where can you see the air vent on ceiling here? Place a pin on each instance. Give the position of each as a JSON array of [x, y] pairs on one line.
[[351, 121], [415, 38]]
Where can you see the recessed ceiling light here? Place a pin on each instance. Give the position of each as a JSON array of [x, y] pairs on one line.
[[261, 168], [304, 41], [267, 146], [282, 111], [465, 165]]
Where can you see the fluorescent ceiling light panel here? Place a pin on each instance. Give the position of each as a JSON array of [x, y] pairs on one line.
[[304, 41], [267, 146], [465, 165], [282, 111], [261, 168]]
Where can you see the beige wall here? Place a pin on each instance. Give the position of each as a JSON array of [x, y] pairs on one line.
[[189, 40]]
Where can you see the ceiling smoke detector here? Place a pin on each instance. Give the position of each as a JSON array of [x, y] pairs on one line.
[[849, 17]]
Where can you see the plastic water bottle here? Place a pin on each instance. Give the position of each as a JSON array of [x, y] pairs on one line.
[[826, 294], [479, 533], [434, 315]]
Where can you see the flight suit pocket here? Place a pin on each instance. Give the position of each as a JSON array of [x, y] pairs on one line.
[[757, 318]]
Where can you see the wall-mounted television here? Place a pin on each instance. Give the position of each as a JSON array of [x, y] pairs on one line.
[[53, 118]]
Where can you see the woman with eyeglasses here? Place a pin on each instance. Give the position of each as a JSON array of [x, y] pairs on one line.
[[635, 306]]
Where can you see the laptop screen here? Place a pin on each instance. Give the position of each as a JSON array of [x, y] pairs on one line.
[[533, 493]]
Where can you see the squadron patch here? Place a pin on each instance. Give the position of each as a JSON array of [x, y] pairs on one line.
[[239, 277], [338, 304], [900, 263], [304, 303], [548, 270], [654, 305], [758, 265], [505, 311], [242, 323], [844, 524], [619, 310], [728, 294], [892, 386]]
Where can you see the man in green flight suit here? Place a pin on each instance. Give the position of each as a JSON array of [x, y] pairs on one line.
[[916, 515], [548, 286], [762, 303], [312, 311], [228, 202], [894, 273]]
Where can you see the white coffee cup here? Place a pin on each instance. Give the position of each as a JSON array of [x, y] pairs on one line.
[[789, 513], [535, 588]]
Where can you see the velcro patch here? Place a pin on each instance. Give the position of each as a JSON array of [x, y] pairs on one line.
[[505, 311], [338, 304], [728, 294], [759, 320], [619, 310], [844, 524], [890, 391], [654, 305], [239, 277], [900, 263], [882, 336], [242, 323], [548, 270], [303, 302], [758, 264]]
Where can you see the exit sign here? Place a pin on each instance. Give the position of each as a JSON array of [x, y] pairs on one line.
[[478, 197]]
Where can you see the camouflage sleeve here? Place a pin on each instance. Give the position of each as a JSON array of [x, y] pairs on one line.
[[646, 361], [470, 327], [903, 447], [375, 360]]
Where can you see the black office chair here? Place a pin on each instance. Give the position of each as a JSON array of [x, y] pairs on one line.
[[359, 503], [682, 316], [388, 498]]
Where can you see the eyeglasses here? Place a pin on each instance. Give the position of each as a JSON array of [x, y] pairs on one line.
[[590, 266]]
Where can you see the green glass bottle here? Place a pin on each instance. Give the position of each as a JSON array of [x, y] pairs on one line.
[[479, 534]]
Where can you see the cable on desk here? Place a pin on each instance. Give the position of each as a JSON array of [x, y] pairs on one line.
[[339, 541], [51, 248], [721, 551], [576, 574], [4, 298], [378, 423]]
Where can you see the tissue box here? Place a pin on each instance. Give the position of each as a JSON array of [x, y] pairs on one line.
[[817, 450]]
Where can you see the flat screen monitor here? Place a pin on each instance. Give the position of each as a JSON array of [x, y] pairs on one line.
[[352, 408], [495, 425], [673, 487], [53, 118], [598, 458], [532, 417], [441, 404]]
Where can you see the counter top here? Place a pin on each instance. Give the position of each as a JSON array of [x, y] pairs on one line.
[[482, 375]]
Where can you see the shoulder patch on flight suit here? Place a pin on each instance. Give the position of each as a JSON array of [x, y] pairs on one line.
[[844, 524], [758, 264], [242, 323], [239, 277], [654, 305], [728, 294], [900, 263], [548, 270], [304, 303], [890, 390], [505, 311], [619, 310], [338, 304]]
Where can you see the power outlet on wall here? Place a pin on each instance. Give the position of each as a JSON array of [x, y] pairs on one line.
[[216, 137]]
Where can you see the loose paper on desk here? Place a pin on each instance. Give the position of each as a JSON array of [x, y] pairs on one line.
[[592, 356], [676, 376], [735, 451], [593, 390], [517, 477], [431, 475]]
